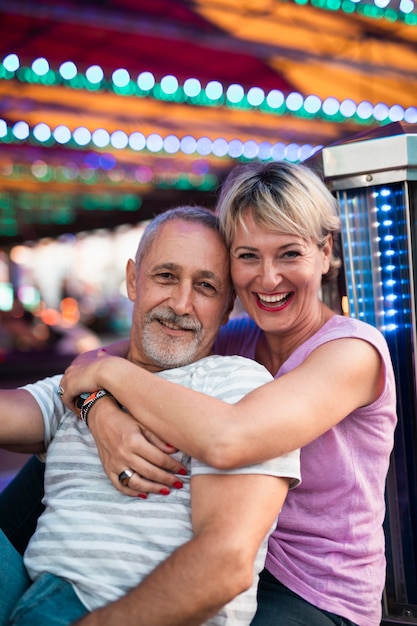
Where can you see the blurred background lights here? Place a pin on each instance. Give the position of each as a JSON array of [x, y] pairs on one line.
[[203, 146], [11, 62], [214, 90], [275, 99], [256, 96], [3, 128], [406, 6], [250, 149], [171, 144], [121, 77], [137, 141], [154, 143], [410, 115], [119, 139], [82, 136], [146, 81], [235, 148], [169, 84], [348, 107], [294, 101], [68, 70], [21, 130], [292, 152], [62, 134], [364, 110], [381, 111], [192, 87], [278, 151], [235, 93], [331, 106], [396, 113], [188, 144], [265, 150], [94, 74], [220, 147], [42, 132], [100, 138], [39, 169], [312, 104], [40, 66]]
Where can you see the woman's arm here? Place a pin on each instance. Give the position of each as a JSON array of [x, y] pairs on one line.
[[278, 417]]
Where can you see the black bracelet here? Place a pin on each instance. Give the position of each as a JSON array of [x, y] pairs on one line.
[[87, 400]]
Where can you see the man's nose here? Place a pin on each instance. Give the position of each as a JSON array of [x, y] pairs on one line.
[[183, 299]]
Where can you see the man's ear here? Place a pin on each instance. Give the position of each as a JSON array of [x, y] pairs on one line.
[[229, 308], [131, 279]]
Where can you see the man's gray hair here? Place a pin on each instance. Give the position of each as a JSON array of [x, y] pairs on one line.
[[197, 214]]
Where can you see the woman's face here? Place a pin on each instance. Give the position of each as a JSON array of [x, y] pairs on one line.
[[277, 276]]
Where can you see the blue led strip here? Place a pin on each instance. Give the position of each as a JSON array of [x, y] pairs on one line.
[[358, 255], [376, 256]]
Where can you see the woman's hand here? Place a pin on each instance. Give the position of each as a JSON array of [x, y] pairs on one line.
[[123, 444], [121, 441]]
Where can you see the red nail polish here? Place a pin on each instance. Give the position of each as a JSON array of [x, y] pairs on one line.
[[178, 484], [183, 472], [142, 495], [164, 491]]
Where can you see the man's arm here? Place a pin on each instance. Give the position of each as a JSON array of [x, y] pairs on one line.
[[21, 422], [231, 515]]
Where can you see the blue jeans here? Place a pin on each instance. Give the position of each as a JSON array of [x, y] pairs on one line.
[[20, 504], [49, 601], [278, 606]]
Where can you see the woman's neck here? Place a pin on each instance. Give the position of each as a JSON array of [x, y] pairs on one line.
[[272, 350]]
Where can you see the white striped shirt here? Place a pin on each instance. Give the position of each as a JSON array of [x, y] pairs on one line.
[[104, 542]]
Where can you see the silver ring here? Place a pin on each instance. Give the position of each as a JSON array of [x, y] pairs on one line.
[[125, 476], [60, 391]]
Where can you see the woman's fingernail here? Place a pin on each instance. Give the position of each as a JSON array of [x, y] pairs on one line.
[[183, 472], [142, 495], [178, 484], [164, 491]]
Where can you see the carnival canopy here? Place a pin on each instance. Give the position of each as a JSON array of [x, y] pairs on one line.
[[113, 110]]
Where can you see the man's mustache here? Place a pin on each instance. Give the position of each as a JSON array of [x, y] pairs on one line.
[[184, 322]]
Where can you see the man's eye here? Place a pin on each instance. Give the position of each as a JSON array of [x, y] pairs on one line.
[[208, 287], [164, 275]]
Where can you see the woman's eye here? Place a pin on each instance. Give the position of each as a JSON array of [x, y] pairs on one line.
[[247, 255], [291, 254]]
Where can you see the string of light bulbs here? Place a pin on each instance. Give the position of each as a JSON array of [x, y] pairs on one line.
[[214, 94]]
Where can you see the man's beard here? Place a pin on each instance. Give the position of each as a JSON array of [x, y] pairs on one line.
[[167, 351]]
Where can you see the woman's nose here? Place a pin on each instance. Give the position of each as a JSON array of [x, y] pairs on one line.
[[271, 276]]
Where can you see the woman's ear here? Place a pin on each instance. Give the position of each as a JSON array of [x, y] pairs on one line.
[[131, 279], [326, 250]]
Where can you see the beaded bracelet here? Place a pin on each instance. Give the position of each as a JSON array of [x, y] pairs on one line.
[[87, 402]]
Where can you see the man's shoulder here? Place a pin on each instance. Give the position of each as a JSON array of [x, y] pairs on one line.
[[230, 362], [215, 374]]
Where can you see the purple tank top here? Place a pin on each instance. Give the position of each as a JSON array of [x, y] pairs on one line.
[[329, 544]]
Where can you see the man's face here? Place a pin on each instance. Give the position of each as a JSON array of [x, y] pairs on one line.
[[181, 295]]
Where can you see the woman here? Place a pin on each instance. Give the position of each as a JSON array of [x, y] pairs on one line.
[[333, 396]]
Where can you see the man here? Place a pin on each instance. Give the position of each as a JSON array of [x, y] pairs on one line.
[[93, 544]]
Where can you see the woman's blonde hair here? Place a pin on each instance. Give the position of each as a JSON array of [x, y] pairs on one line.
[[283, 197]]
